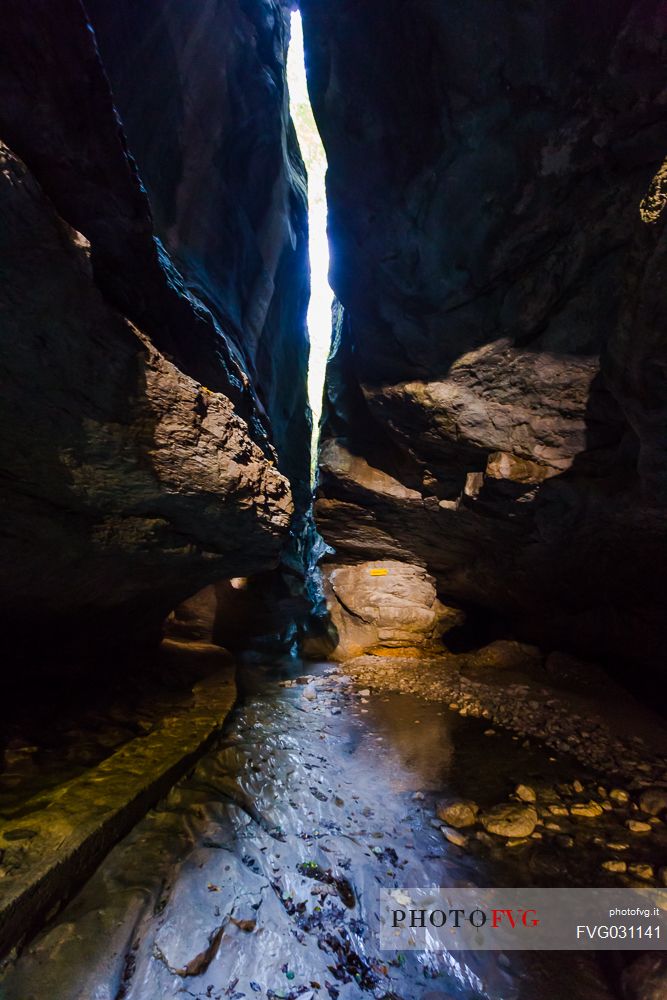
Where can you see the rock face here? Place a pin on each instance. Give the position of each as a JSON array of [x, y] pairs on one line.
[[202, 96], [148, 430], [496, 398], [385, 608]]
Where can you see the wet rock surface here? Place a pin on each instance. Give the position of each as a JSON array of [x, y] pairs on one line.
[[55, 839], [589, 716], [51, 738], [491, 411], [259, 874]]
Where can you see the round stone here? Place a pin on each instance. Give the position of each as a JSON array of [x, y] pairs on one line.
[[510, 820], [460, 813]]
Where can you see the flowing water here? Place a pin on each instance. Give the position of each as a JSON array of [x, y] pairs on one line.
[[259, 875]]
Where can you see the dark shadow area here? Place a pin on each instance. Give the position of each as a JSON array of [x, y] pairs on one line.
[[52, 732]]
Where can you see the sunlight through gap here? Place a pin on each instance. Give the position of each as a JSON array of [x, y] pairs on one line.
[[321, 296]]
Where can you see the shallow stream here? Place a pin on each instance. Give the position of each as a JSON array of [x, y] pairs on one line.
[[259, 875]]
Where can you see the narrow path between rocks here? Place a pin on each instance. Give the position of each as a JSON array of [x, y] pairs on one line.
[[259, 875]]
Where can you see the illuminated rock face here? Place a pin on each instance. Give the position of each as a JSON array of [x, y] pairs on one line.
[[153, 404], [497, 401], [386, 608]]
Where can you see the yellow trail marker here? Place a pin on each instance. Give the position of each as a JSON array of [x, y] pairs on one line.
[[378, 572]]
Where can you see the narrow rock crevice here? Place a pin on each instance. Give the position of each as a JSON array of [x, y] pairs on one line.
[[292, 619]]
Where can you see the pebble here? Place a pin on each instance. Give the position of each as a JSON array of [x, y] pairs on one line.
[[454, 836], [459, 814], [558, 810], [489, 732], [637, 826], [578, 787], [589, 809], [366, 693], [20, 833], [510, 820], [614, 866], [617, 846], [525, 793], [641, 870], [484, 838], [619, 796], [595, 743]]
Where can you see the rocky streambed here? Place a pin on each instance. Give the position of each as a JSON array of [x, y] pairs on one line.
[[569, 706], [259, 874]]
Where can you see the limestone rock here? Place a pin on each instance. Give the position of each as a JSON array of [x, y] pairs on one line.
[[510, 820], [385, 606]]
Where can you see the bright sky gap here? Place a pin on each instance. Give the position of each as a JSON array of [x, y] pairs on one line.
[[321, 296]]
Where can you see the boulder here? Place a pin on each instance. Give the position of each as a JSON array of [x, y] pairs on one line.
[[505, 654], [385, 607]]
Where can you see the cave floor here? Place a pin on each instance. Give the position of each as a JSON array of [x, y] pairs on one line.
[[258, 875]]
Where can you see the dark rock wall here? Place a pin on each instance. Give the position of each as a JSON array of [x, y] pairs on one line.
[[202, 95], [497, 401], [140, 410]]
